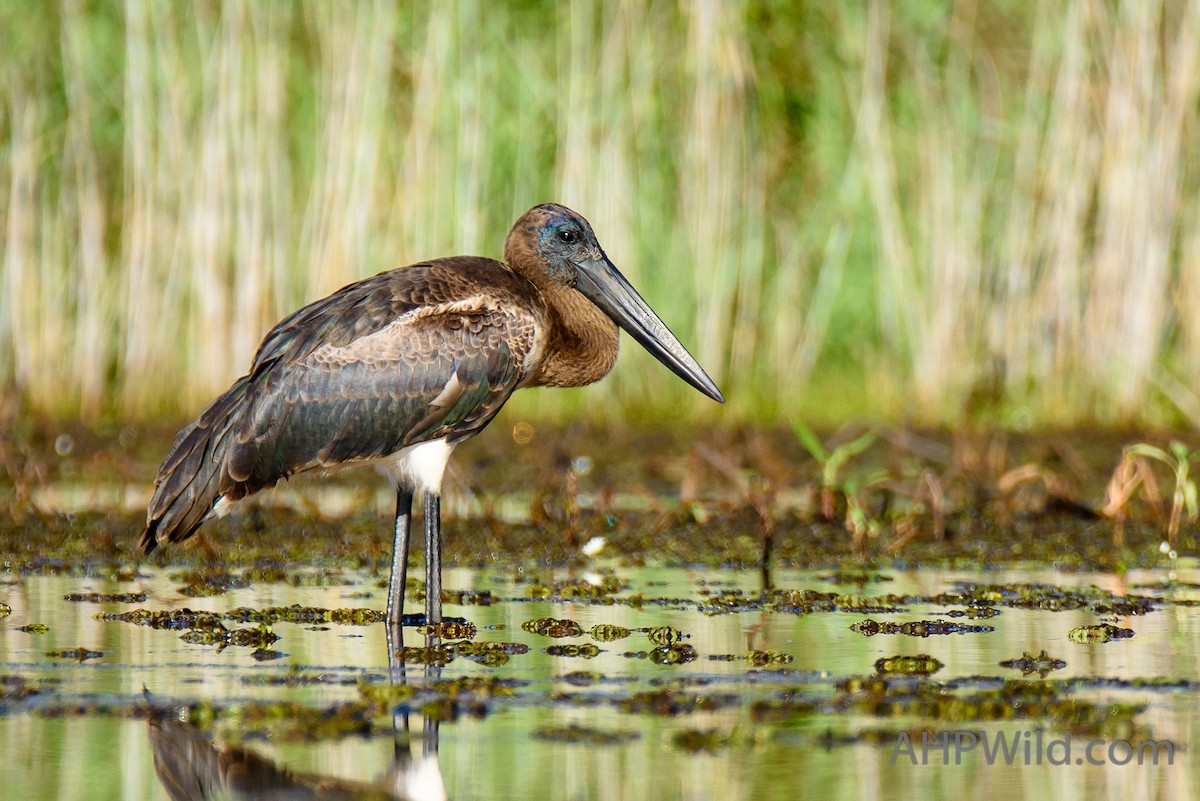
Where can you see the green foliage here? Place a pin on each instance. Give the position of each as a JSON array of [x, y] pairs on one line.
[[1179, 460], [883, 210]]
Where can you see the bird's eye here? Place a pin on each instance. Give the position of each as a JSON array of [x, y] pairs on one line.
[[567, 237]]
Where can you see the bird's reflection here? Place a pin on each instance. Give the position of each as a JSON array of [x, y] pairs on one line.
[[192, 767]]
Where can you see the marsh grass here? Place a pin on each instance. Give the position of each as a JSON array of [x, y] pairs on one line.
[[940, 212]]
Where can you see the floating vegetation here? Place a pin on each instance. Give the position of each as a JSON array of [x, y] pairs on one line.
[[280, 614], [1053, 598], [106, 597], [202, 584], [283, 720], [601, 589], [678, 654], [581, 678], [426, 655], [728, 601], [16, 688], [257, 637], [1103, 632], [664, 635], [450, 630], [698, 740], [918, 628], [607, 632], [854, 578], [34, 628], [553, 627], [468, 597], [805, 602], [298, 677], [583, 735], [974, 612], [585, 651], [768, 658], [670, 703], [489, 658], [78, 654], [300, 615], [1042, 664], [476, 686], [919, 665], [165, 619], [356, 617], [385, 695], [258, 574], [1054, 703], [489, 654]]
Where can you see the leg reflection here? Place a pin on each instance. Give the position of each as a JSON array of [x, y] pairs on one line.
[[413, 777]]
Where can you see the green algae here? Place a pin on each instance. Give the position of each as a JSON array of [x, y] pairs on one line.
[[917, 665], [450, 630], [426, 655], [569, 589], [701, 740], [677, 654], [607, 632], [585, 651], [165, 618], [1100, 633], [77, 654], [1043, 664], [917, 628], [1054, 704], [287, 720], [583, 735], [670, 702], [768, 658], [257, 637], [553, 627], [106, 597], [664, 635], [18, 688], [297, 614]]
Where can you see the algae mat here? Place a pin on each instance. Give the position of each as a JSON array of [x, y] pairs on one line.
[[601, 680]]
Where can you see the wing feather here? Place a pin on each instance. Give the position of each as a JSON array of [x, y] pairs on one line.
[[423, 376]]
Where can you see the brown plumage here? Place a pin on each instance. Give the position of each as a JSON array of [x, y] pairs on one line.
[[422, 354]]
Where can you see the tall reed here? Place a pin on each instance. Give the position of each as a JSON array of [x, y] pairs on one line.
[[930, 211]]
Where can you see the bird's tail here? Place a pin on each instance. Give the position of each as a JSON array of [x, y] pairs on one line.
[[189, 482]]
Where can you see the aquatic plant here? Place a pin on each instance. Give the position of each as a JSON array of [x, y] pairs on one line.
[[1133, 472]]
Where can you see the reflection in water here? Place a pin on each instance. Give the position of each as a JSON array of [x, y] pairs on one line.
[[560, 726], [192, 768]]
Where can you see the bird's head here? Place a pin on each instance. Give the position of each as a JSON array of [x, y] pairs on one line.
[[553, 242]]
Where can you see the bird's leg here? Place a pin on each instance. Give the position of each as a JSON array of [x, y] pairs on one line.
[[433, 559], [395, 604]]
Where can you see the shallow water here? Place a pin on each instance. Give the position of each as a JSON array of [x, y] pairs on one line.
[[618, 725]]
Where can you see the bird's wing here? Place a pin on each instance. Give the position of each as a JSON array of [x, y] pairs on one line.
[[349, 379], [354, 311]]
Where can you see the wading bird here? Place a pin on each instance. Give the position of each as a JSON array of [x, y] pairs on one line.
[[395, 370]]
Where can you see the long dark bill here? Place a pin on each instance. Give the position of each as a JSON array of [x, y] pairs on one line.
[[604, 285]]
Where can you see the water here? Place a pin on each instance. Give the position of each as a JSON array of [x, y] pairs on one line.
[[615, 726]]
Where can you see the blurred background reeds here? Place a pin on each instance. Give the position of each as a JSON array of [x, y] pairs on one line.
[[933, 212]]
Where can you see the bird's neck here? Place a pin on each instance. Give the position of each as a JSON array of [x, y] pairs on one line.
[[581, 340]]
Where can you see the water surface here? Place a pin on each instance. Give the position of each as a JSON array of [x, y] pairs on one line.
[[763, 697]]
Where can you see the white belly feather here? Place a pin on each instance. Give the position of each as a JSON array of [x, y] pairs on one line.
[[419, 467]]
